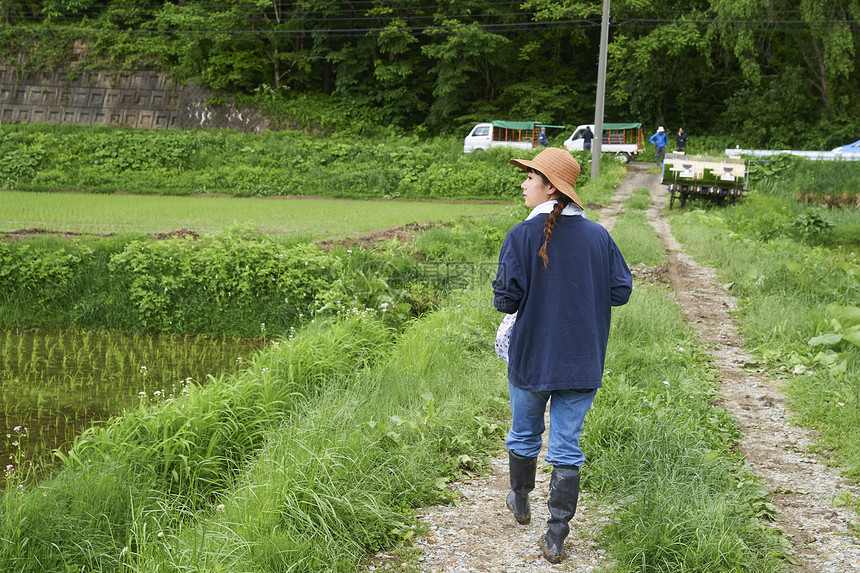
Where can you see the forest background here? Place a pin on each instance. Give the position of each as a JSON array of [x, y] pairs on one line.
[[776, 73]]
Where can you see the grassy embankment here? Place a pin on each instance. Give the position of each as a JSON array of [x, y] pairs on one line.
[[314, 456], [129, 283], [228, 283]]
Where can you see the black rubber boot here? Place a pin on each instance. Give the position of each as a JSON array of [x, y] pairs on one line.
[[522, 483], [563, 496]]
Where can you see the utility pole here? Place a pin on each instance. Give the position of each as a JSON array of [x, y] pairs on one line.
[[597, 142]]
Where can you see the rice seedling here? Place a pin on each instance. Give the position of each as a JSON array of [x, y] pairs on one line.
[[58, 383], [295, 218]]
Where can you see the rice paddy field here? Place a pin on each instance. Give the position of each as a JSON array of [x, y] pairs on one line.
[[316, 218], [54, 384]]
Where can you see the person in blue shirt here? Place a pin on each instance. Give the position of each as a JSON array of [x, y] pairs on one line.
[[561, 274], [542, 139], [659, 140]]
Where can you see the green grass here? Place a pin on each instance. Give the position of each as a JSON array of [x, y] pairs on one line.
[[794, 268], [635, 237], [598, 194], [655, 442], [315, 455], [640, 200], [785, 289], [324, 491], [310, 218]]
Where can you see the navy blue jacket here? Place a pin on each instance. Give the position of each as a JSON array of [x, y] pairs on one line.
[[559, 339]]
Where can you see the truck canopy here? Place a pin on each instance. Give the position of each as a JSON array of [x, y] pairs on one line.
[[521, 124], [518, 130], [620, 126]]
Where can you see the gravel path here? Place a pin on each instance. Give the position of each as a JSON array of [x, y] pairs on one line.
[[480, 535], [804, 487]]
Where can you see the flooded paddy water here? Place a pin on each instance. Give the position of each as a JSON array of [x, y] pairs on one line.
[[55, 384]]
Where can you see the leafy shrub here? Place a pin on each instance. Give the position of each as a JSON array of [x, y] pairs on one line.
[[21, 155], [811, 225], [177, 285], [242, 164], [775, 167], [225, 284], [40, 275]]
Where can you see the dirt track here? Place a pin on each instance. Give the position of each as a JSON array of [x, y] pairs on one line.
[[803, 487], [479, 534]]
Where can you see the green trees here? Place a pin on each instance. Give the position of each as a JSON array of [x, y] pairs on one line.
[[775, 72], [795, 59]]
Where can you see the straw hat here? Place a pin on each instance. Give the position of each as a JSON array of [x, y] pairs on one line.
[[558, 166]]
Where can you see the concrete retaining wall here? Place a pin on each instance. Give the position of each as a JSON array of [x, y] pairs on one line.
[[146, 99]]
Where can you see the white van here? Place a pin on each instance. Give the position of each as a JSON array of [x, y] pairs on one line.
[[624, 140], [516, 134]]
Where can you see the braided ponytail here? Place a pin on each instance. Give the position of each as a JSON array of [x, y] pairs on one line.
[[562, 202]]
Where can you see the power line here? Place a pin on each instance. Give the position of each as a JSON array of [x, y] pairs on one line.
[[414, 14], [397, 10], [501, 27], [301, 19]]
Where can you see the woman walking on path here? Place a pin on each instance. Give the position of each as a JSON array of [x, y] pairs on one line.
[[561, 274]]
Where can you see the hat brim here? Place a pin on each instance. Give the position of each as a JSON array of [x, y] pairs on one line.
[[560, 184]]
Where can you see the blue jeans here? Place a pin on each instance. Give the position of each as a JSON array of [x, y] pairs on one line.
[[567, 409], [660, 154]]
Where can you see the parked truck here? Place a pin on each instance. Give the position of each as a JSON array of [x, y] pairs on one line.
[[624, 140], [516, 134]]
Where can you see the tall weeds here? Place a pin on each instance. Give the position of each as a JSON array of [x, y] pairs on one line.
[[225, 284]]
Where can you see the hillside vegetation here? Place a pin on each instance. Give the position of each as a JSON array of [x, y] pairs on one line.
[[106, 159], [781, 74]]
